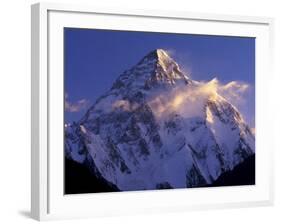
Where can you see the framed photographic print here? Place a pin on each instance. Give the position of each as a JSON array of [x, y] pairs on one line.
[[166, 111]]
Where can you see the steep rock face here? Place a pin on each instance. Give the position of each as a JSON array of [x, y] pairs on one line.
[[156, 128]]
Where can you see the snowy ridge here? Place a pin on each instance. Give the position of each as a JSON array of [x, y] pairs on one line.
[[156, 128]]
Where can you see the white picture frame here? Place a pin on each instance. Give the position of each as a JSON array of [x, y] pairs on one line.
[[47, 198]]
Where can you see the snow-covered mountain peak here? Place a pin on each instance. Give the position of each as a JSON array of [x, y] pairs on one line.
[[157, 55], [156, 69], [156, 128]]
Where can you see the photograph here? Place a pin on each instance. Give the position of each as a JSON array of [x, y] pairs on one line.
[[157, 110]]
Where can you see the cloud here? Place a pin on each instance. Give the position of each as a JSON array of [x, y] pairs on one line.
[[123, 104], [234, 91], [75, 106], [185, 100], [189, 101]]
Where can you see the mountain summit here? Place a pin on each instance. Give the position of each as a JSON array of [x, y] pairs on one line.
[[156, 68], [156, 128]]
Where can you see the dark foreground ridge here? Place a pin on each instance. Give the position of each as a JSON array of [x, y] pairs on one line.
[[79, 180], [242, 174]]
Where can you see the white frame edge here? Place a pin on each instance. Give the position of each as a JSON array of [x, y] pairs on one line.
[[39, 139], [39, 90]]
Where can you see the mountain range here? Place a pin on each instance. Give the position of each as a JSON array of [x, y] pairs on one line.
[[157, 128]]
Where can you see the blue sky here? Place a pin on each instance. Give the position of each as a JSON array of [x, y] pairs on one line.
[[95, 58]]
